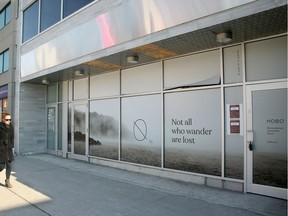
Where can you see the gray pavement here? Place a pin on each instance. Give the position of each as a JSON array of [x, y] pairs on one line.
[[49, 185]]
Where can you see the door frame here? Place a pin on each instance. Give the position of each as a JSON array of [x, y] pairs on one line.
[[256, 188]]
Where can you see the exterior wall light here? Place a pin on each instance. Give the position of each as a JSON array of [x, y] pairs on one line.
[[132, 59], [225, 37], [45, 81], [79, 73]]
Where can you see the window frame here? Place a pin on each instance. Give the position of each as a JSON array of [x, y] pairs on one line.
[[4, 61], [6, 19]]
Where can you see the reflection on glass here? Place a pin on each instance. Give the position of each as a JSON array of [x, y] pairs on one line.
[[51, 128], [30, 21], [50, 13], [141, 130], [70, 6], [270, 137], [79, 129], [104, 129], [193, 131]]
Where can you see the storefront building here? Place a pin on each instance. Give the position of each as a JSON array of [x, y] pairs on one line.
[[7, 54], [195, 91]]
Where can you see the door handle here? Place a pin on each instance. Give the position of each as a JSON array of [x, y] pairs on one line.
[[251, 146]]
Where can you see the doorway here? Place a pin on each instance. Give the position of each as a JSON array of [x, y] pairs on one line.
[[267, 139]]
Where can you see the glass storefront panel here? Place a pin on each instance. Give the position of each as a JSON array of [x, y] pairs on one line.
[[51, 120], [193, 131], [52, 94], [194, 70], [234, 135], [141, 130], [104, 128], [132, 79], [266, 59], [79, 129], [69, 135], [59, 134], [60, 92], [99, 87], [233, 72], [70, 90], [80, 89]]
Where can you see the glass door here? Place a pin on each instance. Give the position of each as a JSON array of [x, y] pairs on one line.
[[267, 139], [79, 129]]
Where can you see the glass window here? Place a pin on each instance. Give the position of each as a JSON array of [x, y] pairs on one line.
[[5, 15], [234, 121], [70, 90], [104, 128], [60, 92], [193, 131], [99, 87], [52, 94], [59, 129], [30, 21], [146, 78], [232, 64], [1, 62], [51, 128], [266, 59], [69, 135], [4, 91], [50, 13], [79, 129], [3, 105], [141, 130], [70, 6], [193, 70], [2, 20], [8, 14], [80, 89], [6, 61]]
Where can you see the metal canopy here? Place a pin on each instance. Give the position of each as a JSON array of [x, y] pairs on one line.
[[263, 24]]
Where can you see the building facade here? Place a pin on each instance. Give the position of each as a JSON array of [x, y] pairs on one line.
[[8, 55], [195, 91]]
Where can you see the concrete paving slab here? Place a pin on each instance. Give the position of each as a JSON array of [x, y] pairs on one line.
[[49, 185]]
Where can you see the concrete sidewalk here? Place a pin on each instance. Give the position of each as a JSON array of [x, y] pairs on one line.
[[49, 185]]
